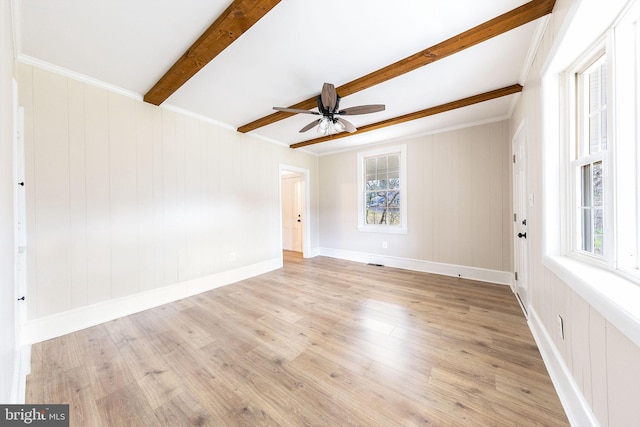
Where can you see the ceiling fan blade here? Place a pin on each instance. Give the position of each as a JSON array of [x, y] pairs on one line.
[[295, 110], [311, 125], [362, 109], [329, 96], [348, 126]]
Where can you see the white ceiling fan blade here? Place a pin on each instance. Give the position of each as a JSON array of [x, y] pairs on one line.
[[295, 110], [348, 126], [310, 125], [362, 109]]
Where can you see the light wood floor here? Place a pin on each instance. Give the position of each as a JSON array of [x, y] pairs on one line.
[[321, 342]]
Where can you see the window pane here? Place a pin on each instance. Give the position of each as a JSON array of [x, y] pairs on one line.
[[393, 216], [591, 211], [598, 232], [597, 115], [595, 92], [371, 183], [603, 84], [597, 184], [594, 133], [393, 198], [394, 163], [382, 165], [370, 214], [603, 130], [586, 230], [370, 166], [586, 185]]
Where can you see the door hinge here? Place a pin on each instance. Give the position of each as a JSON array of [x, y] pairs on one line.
[[515, 217], [516, 274], [514, 158]]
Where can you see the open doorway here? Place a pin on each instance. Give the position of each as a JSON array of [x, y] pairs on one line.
[[294, 196]]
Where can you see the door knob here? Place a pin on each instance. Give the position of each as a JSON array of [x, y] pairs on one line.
[[521, 235]]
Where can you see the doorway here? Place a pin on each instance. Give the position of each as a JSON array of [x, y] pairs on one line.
[[294, 207], [520, 209]]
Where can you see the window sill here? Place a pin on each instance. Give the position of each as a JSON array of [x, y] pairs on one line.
[[615, 297], [382, 229]]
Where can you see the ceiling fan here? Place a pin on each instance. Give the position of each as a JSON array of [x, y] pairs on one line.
[[328, 107]]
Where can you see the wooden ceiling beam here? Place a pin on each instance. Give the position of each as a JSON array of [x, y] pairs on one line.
[[230, 25], [465, 102], [506, 22]]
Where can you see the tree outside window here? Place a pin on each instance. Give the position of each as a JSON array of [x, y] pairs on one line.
[[382, 190]]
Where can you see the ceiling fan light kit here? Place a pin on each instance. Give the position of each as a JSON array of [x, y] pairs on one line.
[[329, 108]]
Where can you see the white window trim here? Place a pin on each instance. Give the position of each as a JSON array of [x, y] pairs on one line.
[[378, 228]]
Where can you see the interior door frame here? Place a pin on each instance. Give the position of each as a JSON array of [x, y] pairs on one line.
[[306, 207], [23, 355], [520, 137]]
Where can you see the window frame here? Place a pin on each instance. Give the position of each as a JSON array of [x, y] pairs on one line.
[[378, 152], [621, 160], [580, 155]]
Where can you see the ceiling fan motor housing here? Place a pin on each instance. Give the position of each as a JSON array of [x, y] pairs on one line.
[[325, 111]]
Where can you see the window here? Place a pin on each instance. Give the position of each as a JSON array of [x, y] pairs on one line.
[[382, 190], [601, 215], [590, 158]]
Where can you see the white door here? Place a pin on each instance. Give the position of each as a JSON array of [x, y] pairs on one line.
[[520, 238], [292, 197]]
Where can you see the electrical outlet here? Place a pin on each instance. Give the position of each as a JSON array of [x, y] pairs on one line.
[[232, 256], [384, 245], [561, 326]]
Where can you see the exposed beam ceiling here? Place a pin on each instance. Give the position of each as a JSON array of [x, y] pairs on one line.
[[508, 21], [231, 24], [487, 96]]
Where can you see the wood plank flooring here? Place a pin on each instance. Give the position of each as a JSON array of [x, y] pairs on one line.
[[320, 342]]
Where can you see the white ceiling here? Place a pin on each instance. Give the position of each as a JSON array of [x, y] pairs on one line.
[[287, 56]]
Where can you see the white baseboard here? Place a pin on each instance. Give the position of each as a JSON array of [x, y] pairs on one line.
[[22, 368], [473, 273], [48, 327], [575, 406], [312, 253]]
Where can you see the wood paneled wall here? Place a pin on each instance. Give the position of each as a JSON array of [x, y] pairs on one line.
[[459, 201], [604, 363], [124, 197]]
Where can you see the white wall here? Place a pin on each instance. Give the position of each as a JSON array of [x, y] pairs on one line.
[[459, 203], [600, 363], [8, 350], [124, 197]]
